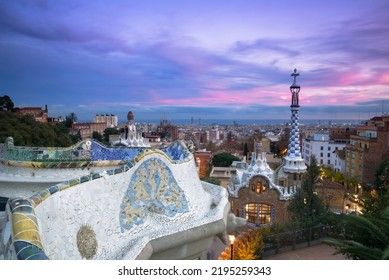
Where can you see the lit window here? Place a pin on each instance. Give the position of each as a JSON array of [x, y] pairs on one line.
[[258, 213]]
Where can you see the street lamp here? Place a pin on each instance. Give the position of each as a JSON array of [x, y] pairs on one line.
[[231, 237]]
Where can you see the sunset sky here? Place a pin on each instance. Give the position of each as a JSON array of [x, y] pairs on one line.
[[210, 59]]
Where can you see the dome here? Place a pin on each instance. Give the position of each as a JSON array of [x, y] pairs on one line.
[[130, 116]]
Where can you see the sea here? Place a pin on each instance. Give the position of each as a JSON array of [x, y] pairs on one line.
[[250, 121]]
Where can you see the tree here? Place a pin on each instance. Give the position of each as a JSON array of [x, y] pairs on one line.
[[366, 237], [246, 150], [27, 132], [97, 136], [247, 246], [110, 131], [378, 200], [224, 160], [70, 119], [6, 103], [306, 207]]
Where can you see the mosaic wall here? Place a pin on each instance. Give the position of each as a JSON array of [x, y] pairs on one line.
[[152, 188], [25, 239], [177, 151], [77, 152], [99, 153], [83, 154]]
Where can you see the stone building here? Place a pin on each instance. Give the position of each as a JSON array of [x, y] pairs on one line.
[[110, 119], [367, 149], [39, 114], [86, 129]]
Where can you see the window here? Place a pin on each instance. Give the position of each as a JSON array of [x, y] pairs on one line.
[[259, 187], [329, 155], [321, 148], [321, 154], [258, 213], [329, 148], [329, 161]]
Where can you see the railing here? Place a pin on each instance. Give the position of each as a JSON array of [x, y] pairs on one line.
[[291, 240]]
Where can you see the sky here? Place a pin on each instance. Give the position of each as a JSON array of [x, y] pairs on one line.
[[203, 59]]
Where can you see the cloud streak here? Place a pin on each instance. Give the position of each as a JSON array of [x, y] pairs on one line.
[[122, 55]]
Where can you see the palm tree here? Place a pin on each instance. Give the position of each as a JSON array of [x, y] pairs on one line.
[[367, 237]]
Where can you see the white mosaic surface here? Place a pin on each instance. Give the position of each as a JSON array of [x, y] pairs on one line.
[[97, 204]]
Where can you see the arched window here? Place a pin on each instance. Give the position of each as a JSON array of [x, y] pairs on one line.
[[259, 186], [258, 213]]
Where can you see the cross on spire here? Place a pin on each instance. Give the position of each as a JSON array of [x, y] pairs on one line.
[[294, 75]]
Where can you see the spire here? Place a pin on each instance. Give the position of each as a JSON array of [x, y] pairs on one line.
[[295, 89], [294, 161]]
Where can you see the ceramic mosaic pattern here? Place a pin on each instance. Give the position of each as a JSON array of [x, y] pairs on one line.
[[80, 151], [177, 151], [84, 154], [99, 153], [26, 239], [294, 138], [152, 188]]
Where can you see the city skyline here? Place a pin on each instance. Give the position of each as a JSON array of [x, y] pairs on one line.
[[207, 59]]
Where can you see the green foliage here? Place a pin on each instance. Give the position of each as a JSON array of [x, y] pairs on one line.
[[245, 150], [27, 132], [248, 245], [224, 160], [70, 119], [110, 131], [6, 103], [97, 136], [306, 207], [365, 238], [378, 199], [211, 180]]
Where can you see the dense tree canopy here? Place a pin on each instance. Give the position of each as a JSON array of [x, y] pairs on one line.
[[27, 132], [306, 207], [378, 199], [364, 237], [6, 103], [224, 160]]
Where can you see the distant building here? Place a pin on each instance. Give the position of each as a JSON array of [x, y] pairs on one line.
[[340, 161], [322, 148], [111, 120], [86, 129], [39, 114], [367, 149]]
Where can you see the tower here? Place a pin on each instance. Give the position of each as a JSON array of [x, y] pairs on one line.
[[294, 163]]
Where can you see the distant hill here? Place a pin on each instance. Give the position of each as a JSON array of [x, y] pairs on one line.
[[27, 132]]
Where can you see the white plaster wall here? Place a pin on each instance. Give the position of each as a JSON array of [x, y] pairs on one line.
[[97, 203], [22, 181], [315, 149]]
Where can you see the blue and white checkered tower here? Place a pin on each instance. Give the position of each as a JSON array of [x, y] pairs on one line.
[[293, 160]]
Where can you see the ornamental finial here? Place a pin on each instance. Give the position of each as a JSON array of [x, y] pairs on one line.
[[294, 75]]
